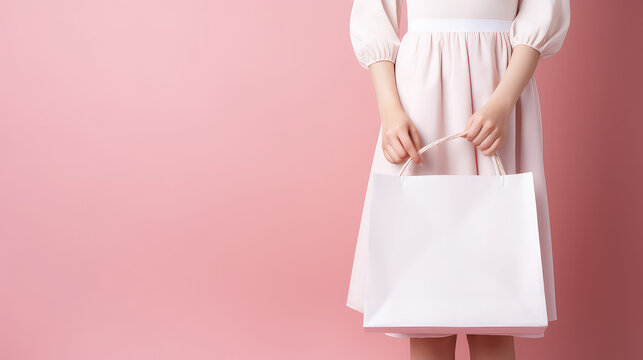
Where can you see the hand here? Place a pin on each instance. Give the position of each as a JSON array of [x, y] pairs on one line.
[[400, 137], [487, 127]]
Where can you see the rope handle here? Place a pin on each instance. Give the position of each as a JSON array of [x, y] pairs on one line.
[[500, 170]]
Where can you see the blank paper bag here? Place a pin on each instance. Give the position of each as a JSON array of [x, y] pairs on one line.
[[454, 253]]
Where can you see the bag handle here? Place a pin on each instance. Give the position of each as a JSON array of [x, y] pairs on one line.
[[500, 170]]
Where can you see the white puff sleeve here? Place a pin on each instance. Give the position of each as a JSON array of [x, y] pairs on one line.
[[374, 30], [541, 24]]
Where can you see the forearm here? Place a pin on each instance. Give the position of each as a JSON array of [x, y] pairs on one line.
[[400, 137], [383, 77], [520, 69], [486, 127]]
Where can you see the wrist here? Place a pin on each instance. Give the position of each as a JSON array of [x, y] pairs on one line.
[[502, 101], [390, 107]]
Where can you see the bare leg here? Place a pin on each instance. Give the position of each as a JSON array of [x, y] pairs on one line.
[[438, 348], [491, 347]]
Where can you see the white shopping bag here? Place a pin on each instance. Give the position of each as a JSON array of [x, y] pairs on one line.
[[454, 253]]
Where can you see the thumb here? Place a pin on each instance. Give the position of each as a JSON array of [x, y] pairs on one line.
[[466, 128]]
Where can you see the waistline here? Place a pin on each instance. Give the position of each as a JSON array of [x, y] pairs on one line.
[[460, 25]]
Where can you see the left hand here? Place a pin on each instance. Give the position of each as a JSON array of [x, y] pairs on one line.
[[487, 127]]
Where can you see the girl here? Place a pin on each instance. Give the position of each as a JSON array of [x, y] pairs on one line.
[[463, 65]]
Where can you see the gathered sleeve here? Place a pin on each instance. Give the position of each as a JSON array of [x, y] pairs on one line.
[[541, 24], [374, 30]]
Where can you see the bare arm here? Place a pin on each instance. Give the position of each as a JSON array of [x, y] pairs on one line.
[[487, 127], [400, 137]]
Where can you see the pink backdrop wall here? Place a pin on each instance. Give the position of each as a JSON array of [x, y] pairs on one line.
[[184, 180]]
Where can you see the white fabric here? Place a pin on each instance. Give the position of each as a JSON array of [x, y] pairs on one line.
[[453, 253], [467, 25]]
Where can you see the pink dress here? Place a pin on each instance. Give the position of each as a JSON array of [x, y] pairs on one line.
[[447, 66]]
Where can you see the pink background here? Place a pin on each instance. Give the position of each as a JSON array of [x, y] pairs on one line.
[[184, 180]]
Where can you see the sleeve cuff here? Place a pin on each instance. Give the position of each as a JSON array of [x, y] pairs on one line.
[[540, 52], [369, 63]]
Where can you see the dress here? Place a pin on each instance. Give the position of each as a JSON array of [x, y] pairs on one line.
[[447, 65]]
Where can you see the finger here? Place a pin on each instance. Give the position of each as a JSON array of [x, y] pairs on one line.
[[392, 154], [483, 134], [486, 143], [406, 141], [493, 148], [474, 129], [386, 152], [398, 148], [387, 156], [469, 123], [415, 136]]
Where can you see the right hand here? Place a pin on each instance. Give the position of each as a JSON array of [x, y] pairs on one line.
[[400, 137]]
